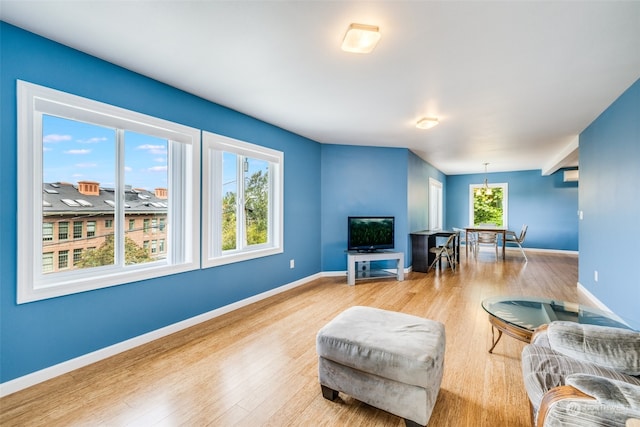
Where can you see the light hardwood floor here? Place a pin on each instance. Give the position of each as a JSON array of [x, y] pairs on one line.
[[258, 365]]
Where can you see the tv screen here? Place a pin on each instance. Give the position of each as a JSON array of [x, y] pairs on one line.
[[371, 233]]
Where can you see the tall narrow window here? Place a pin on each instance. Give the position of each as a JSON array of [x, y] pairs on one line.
[[77, 229], [92, 160], [63, 259], [47, 232], [47, 262], [435, 204], [242, 200], [63, 230], [91, 228], [77, 255]]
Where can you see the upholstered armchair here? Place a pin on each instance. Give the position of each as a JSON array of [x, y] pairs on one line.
[[582, 375]]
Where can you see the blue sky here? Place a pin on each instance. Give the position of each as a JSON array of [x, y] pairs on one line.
[[75, 151]]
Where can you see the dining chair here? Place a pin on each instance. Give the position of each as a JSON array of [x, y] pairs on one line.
[[447, 251], [487, 238], [511, 237], [468, 238]]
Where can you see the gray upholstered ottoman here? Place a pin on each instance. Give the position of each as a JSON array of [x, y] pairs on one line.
[[390, 360]]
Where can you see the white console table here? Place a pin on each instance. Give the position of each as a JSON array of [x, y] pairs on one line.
[[353, 257]]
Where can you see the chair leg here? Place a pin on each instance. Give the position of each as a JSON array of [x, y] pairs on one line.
[[433, 263], [522, 250]]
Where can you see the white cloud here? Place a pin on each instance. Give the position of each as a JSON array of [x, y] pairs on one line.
[[77, 151], [153, 149], [128, 169], [160, 159], [157, 169], [93, 140], [56, 138], [86, 165]]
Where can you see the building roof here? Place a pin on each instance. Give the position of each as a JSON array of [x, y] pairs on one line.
[[64, 199]]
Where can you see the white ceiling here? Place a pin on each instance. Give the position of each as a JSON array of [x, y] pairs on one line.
[[513, 83]]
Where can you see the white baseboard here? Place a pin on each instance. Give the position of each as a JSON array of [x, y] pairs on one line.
[[334, 273], [599, 304], [549, 251], [42, 375]]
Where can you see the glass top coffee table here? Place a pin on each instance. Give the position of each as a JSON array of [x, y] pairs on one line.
[[519, 317]]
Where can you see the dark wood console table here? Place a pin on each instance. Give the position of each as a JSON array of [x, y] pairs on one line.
[[422, 241]]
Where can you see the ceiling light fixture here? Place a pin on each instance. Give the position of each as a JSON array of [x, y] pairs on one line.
[[361, 38], [485, 189], [426, 122]]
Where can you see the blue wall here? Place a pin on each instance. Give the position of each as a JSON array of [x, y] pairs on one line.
[[44, 333], [323, 185], [547, 204], [418, 194], [361, 181], [610, 201], [418, 188]]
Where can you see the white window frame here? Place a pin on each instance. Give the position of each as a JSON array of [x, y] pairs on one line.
[[184, 185], [505, 201], [213, 148], [435, 204]]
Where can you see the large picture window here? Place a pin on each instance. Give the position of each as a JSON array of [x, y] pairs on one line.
[[84, 165], [488, 204], [242, 200]]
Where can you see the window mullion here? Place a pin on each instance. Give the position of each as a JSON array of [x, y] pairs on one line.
[[240, 203], [270, 204], [215, 203], [176, 212], [35, 155], [118, 212]]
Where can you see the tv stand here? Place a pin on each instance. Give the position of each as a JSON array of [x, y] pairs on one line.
[[353, 257]]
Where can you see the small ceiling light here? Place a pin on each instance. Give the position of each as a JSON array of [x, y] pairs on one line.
[[426, 122], [361, 38]]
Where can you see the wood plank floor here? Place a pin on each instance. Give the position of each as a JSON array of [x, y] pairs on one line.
[[258, 365]]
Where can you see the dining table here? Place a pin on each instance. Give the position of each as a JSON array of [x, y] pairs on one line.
[[488, 229]]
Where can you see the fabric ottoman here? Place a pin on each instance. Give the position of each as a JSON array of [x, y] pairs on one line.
[[392, 361]]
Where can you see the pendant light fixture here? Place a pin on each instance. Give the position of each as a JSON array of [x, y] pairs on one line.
[[485, 189]]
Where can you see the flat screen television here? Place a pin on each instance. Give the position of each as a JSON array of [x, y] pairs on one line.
[[371, 233]]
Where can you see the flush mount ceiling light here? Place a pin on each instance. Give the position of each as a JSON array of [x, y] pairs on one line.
[[361, 38], [426, 122]]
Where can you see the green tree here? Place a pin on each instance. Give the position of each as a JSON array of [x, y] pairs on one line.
[[257, 208], [229, 221], [104, 255], [487, 208]]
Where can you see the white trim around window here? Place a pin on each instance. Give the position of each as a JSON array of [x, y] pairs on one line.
[[183, 208], [214, 183]]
